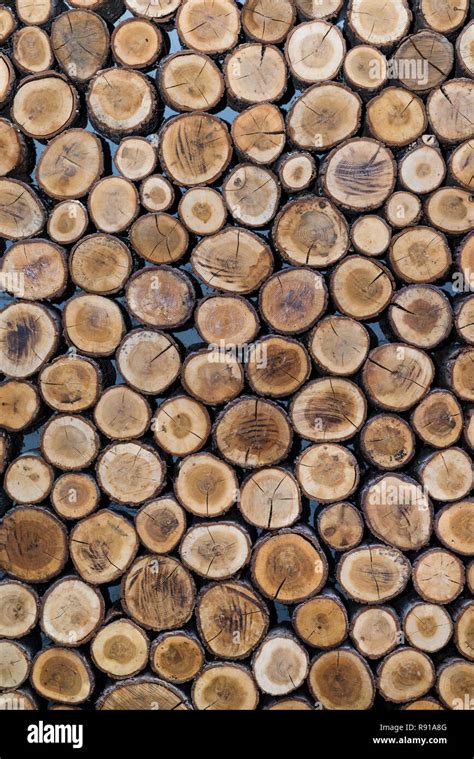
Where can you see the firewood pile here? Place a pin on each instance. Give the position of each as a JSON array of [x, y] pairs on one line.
[[236, 354]]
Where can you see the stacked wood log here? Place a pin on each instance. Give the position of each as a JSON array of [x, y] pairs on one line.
[[236, 354]]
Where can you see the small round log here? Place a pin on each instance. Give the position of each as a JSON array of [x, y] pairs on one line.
[[19, 404], [310, 231], [13, 147], [34, 270], [216, 551], [321, 621], [158, 10], [365, 68], [290, 704], [62, 675], [427, 626], [181, 425], [450, 110], [102, 546], [328, 409], [44, 105], [130, 472], [370, 235], [69, 442], [397, 511], [340, 526], [268, 21], [71, 611], [226, 320], [404, 675], [205, 485], [438, 419], [464, 629], [361, 287], [232, 619], [296, 171], [67, 222], [422, 169], [258, 133], [458, 372], [22, 214], [421, 315], [327, 472], [397, 376], [438, 576], [315, 51], [280, 664], [251, 194], [113, 204], [15, 663], [135, 158], [100, 264], [195, 148], [136, 43], [469, 428], [17, 699], [148, 360], [293, 299], [161, 524], [120, 649], [161, 297], [403, 209], [190, 82], [142, 693], [323, 116], [446, 475], [202, 210], [212, 376], [387, 441], [367, 22], [121, 101], [32, 52], [461, 164], [464, 48], [70, 383], [159, 238], [156, 193], [451, 209], [223, 687], [423, 61], [373, 574], [444, 18], [7, 79], [19, 608], [75, 495], [453, 527], [8, 23], [341, 679], [253, 432], [30, 337], [375, 631], [234, 260], [28, 479], [309, 9], [80, 41], [420, 255], [46, 538], [121, 413], [289, 566], [207, 29], [158, 593], [255, 73], [277, 366], [455, 683], [93, 324], [177, 656], [270, 499], [359, 174]]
